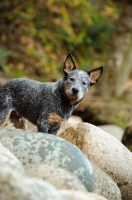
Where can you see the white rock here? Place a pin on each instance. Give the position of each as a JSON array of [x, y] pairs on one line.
[[104, 185], [14, 186], [106, 152], [77, 195], [60, 178]]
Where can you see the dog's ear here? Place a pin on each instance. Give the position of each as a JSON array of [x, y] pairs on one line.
[[95, 75], [69, 64]]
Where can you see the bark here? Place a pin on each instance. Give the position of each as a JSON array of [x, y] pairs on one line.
[[119, 64]]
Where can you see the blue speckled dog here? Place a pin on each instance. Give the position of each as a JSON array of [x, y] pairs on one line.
[[47, 105]]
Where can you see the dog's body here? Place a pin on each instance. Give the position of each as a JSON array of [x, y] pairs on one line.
[[47, 105]]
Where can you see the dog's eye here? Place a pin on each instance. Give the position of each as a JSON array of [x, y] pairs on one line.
[[84, 83], [72, 79]]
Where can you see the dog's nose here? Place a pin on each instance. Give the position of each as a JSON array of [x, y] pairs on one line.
[[75, 90]]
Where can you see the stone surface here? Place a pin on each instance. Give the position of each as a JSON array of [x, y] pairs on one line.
[[77, 195], [14, 186], [106, 152], [71, 122], [104, 185], [10, 160], [114, 130], [39, 148], [56, 176]]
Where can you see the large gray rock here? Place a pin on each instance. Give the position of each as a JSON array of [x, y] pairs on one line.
[[39, 148], [14, 186], [56, 176], [10, 160], [106, 152]]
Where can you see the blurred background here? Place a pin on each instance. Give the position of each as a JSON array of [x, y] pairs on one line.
[[36, 36]]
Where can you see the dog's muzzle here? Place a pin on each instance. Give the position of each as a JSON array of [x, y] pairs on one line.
[[75, 92]]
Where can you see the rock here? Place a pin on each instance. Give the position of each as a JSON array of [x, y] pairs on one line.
[[104, 185], [106, 152], [127, 137], [39, 148], [10, 160], [71, 122], [14, 186], [77, 195], [114, 130], [60, 178]]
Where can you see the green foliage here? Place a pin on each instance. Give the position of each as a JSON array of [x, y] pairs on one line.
[[36, 35]]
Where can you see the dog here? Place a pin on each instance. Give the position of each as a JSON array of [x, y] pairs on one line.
[[47, 105]]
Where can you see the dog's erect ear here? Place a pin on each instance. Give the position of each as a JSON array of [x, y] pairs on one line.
[[95, 75], [69, 64]]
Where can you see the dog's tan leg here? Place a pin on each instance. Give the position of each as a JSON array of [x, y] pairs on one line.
[[18, 121], [6, 119]]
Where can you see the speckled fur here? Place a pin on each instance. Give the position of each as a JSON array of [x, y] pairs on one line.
[[38, 101]]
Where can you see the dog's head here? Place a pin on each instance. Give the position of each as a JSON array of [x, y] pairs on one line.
[[77, 82]]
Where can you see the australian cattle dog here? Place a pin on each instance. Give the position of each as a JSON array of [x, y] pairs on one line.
[[47, 105]]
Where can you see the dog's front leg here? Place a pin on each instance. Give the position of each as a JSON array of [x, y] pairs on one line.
[[49, 124], [42, 126]]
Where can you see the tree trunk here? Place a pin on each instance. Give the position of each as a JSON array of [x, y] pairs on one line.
[[119, 64]]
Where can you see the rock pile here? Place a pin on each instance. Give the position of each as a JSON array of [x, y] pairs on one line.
[[85, 164]]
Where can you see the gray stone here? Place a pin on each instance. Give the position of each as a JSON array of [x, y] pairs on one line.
[[56, 176], [106, 152], [14, 186], [104, 185], [10, 160], [39, 148], [114, 130]]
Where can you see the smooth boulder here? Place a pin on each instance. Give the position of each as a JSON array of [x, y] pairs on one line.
[[104, 185], [60, 178], [106, 152], [14, 186], [7, 158], [33, 148]]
